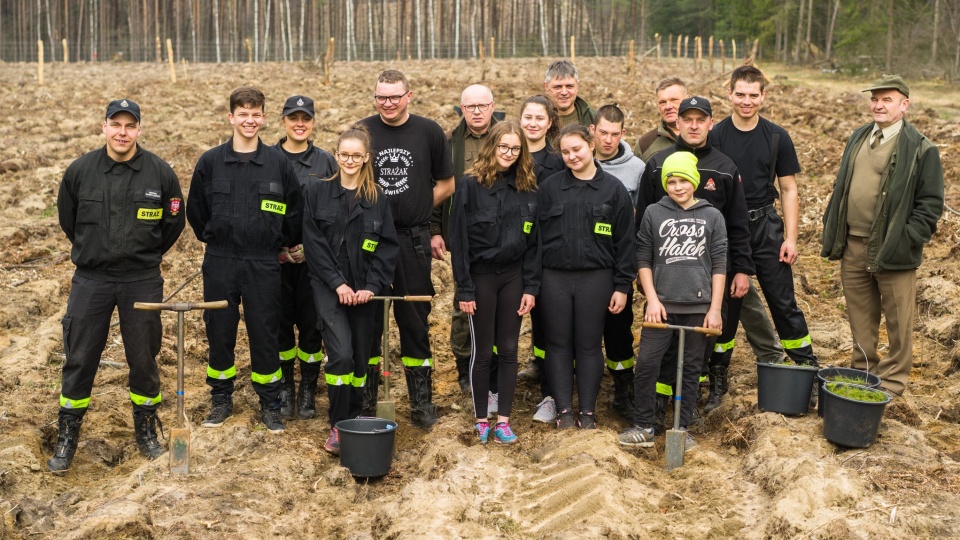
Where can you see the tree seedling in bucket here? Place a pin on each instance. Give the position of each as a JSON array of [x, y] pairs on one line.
[[180, 435]]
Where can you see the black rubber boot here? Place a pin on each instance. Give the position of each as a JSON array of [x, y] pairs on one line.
[[660, 414], [145, 429], [463, 375], [423, 413], [67, 440], [288, 390], [623, 392], [306, 398], [371, 391], [718, 387]]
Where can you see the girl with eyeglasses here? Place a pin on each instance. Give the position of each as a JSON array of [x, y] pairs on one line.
[[496, 264], [589, 264], [351, 248]]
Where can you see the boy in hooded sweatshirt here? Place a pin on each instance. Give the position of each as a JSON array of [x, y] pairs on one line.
[[682, 256]]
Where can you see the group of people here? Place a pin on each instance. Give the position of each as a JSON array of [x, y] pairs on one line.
[[552, 214]]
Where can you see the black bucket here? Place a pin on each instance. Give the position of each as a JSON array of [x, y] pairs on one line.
[[851, 423], [785, 389], [823, 376], [366, 445]]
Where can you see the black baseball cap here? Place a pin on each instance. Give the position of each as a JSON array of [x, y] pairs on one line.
[[123, 105], [696, 102], [298, 103]]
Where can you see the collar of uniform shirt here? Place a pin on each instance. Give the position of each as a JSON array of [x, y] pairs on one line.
[[888, 132]]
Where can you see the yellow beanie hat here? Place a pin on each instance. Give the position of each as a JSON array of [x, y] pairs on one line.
[[683, 165]]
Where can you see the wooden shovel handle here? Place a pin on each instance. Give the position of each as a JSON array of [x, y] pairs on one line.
[[179, 306], [408, 298], [700, 329]]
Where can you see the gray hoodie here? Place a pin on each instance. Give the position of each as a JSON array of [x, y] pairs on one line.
[[628, 168], [684, 248]]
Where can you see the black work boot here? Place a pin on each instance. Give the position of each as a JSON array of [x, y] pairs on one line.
[[718, 387], [145, 429], [67, 440], [270, 416], [220, 410], [306, 398], [371, 391], [288, 390], [463, 374], [623, 392], [660, 414], [423, 413]]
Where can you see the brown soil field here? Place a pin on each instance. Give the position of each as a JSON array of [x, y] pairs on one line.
[[754, 474]]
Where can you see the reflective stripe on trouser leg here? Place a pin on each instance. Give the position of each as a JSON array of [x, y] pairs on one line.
[[309, 358], [288, 355], [664, 389], [266, 378], [620, 365], [145, 401], [416, 362], [68, 403]]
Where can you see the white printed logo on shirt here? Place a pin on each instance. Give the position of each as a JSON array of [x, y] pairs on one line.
[[684, 239], [393, 167]]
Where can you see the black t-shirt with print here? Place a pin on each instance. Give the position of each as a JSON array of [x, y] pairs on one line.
[[407, 160], [750, 151]]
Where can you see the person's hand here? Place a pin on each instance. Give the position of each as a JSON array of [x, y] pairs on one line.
[[788, 252], [283, 256], [346, 294], [470, 308], [655, 311], [713, 319], [363, 296], [617, 302], [526, 304], [437, 247], [739, 286], [296, 254]]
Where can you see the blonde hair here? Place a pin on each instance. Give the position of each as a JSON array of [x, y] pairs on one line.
[[367, 188]]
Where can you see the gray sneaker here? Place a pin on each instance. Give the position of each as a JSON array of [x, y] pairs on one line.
[[546, 411], [637, 436], [493, 404]]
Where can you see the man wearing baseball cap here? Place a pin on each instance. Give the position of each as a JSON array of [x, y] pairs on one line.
[[885, 205], [311, 164], [720, 186], [121, 208]]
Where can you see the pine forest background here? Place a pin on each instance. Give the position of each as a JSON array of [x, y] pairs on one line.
[[914, 37]]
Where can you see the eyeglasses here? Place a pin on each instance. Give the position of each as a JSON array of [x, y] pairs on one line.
[[392, 99], [347, 158], [479, 107], [504, 149]]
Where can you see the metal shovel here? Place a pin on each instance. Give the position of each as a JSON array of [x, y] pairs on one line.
[[386, 408], [180, 435], [676, 438]]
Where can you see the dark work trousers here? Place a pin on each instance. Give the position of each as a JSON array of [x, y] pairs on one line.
[[412, 277], [538, 336], [654, 344], [495, 323], [618, 337], [574, 305], [85, 329], [256, 284], [668, 364], [776, 283], [299, 312], [347, 331]]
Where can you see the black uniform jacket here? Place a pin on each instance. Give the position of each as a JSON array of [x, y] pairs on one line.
[[245, 209], [588, 225], [314, 164], [493, 229], [331, 220], [121, 217]]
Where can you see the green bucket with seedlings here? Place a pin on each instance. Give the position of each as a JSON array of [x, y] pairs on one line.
[[845, 375], [852, 414]]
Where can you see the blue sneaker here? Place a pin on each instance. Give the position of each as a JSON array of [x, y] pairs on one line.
[[503, 434], [483, 430]]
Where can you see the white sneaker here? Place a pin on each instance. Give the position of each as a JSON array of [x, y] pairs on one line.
[[493, 401], [546, 411]]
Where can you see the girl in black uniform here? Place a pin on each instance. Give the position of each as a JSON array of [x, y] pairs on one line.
[[589, 264], [496, 264], [351, 248]]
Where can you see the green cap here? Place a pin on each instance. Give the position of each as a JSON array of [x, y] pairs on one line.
[[892, 82], [682, 165]]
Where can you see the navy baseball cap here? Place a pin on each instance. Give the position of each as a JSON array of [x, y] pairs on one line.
[[123, 105], [695, 102], [298, 103]]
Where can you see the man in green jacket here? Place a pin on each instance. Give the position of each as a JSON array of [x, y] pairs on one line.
[[561, 84], [885, 206]]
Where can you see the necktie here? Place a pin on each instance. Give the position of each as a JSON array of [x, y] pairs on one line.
[[877, 139]]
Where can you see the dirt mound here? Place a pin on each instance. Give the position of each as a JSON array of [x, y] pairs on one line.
[[752, 475]]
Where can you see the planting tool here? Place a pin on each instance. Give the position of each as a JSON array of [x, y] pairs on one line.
[[386, 408], [676, 438], [180, 435]]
